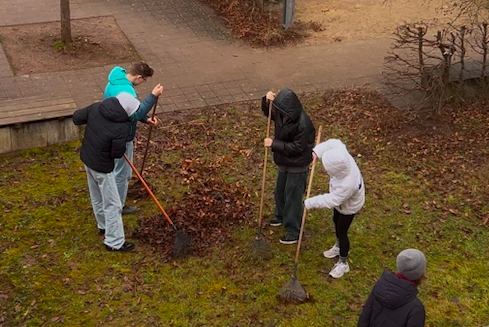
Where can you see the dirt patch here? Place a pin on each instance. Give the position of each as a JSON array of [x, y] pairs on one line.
[[327, 21], [347, 20], [247, 21], [36, 48]]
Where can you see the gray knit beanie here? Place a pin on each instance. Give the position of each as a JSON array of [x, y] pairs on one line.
[[411, 263], [128, 102]]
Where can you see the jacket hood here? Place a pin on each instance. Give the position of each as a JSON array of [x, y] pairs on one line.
[[112, 110], [118, 76], [393, 292], [337, 162], [330, 144], [288, 104], [129, 103]]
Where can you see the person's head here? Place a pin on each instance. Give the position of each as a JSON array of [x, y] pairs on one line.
[[335, 158], [128, 102], [139, 73], [411, 263], [288, 103]]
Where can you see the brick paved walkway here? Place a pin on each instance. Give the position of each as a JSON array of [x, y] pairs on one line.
[[192, 54]]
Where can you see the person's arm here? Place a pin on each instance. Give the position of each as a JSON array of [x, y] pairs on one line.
[[293, 148], [328, 200], [80, 117], [416, 317], [142, 113], [265, 103], [118, 147], [364, 320]]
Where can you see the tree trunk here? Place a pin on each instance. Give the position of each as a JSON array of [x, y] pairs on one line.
[[65, 21]]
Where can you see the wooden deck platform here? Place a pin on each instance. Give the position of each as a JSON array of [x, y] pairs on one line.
[[36, 122]]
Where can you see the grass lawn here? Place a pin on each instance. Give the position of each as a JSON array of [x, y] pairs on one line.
[[427, 188]]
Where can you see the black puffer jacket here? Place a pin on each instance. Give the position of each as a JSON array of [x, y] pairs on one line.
[[294, 131], [105, 134], [393, 303]]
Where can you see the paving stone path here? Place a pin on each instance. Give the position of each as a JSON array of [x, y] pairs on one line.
[[193, 55]]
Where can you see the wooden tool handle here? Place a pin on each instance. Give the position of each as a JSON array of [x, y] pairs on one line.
[[309, 186]]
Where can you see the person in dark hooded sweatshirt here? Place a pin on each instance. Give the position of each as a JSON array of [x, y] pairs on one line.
[[105, 140], [393, 301], [292, 153]]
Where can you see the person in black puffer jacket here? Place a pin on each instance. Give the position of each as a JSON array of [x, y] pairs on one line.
[[393, 301], [292, 153], [105, 138]]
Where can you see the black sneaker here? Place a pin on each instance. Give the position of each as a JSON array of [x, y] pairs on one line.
[[127, 210], [275, 222], [288, 240], [124, 248]]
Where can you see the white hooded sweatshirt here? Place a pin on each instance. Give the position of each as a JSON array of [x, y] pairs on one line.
[[346, 187]]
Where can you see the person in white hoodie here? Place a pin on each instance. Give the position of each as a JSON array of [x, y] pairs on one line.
[[346, 197]]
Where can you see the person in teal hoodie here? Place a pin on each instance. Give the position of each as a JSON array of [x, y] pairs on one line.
[[120, 81]]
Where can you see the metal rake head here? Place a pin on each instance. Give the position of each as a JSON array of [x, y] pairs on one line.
[[182, 245], [293, 292], [261, 249]]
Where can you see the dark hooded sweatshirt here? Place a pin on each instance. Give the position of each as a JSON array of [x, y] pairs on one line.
[[294, 131], [393, 303], [105, 134]]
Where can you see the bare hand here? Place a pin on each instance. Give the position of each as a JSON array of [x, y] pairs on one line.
[[158, 90], [152, 121], [268, 141], [270, 96], [314, 155]]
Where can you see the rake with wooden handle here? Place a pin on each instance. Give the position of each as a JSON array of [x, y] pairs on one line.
[[293, 292], [182, 241], [149, 136], [259, 246]]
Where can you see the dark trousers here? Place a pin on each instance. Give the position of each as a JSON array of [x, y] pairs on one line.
[[342, 224], [289, 191]]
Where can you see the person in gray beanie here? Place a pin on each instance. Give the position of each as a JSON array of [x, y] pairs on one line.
[[105, 140], [393, 301]]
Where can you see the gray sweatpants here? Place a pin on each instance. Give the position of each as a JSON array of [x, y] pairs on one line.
[[107, 206], [123, 172]]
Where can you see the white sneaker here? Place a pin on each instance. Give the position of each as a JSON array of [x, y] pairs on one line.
[[339, 269], [332, 253]]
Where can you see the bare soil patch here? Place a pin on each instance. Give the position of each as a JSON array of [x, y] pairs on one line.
[[348, 20], [36, 48], [327, 21], [259, 27]]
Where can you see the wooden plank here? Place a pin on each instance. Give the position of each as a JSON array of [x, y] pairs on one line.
[[37, 117], [27, 100], [38, 110], [35, 104]]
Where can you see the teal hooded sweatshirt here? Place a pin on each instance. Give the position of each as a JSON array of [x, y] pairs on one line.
[[118, 83]]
